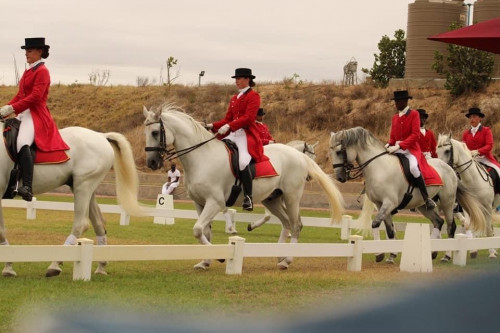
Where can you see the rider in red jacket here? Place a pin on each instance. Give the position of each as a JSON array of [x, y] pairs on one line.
[[265, 136], [427, 139]]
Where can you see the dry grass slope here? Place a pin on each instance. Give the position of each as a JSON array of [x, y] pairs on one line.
[[305, 112]]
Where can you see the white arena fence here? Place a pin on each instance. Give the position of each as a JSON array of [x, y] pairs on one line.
[[415, 249]]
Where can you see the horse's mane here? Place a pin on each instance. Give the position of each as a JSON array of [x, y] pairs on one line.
[[358, 136], [177, 111]]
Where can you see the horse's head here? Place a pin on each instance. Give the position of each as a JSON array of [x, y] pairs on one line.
[[309, 150], [154, 136], [444, 148], [341, 155]]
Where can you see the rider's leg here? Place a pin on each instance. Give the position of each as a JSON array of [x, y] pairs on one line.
[[246, 181], [25, 139]]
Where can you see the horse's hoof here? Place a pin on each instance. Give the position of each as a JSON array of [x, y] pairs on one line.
[[391, 258], [52, 272], [249, 227], [434, 255], [221, 260], [8, 272], [283, 264], [201, 266], [100, 271], [379, 257], [473, 254], [493, 254], [446, 258]]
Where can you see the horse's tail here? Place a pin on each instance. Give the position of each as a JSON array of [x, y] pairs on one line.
[[333, 193], [472, 206], [127, 180], [365, 217]]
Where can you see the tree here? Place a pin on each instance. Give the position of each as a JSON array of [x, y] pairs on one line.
[[466, 69], [390, 63], [171, 62]]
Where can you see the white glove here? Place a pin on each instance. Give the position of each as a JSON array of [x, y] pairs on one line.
[[223, 130], [474, 153], [386, 146], [6, 110], [208, 126], [392, 149], [271, 141]]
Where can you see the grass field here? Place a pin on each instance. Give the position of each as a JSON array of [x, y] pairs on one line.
[[174, 288]]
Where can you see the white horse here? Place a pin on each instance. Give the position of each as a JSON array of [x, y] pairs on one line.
[[92, 155], [301, 146], [209, 179], [386, 185], [474, 176]]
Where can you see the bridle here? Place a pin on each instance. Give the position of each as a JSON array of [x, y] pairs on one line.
[[307, 150], [350, 170], [170, 154], [459, 169]]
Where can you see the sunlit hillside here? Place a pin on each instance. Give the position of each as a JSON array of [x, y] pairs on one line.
[[306, 111]]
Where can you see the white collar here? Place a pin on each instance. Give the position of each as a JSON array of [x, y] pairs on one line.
[[35, 63], [403, 112]]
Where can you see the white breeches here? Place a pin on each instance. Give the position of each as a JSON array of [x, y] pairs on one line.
[[239, 137], [169, 188], [414, 170], [487, 162], [26, 134]]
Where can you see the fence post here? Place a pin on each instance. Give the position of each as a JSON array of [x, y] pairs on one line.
[[124, 217], [460, 255], [234, 265], [354, 262], [345, 227], [416, 255], [164, 201], [82, 269], [31, 209]]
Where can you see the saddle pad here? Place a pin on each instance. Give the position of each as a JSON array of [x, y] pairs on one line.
[[51, 157], [264, 169], [431, 177]]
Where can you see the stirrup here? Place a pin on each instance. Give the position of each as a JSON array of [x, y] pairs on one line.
[[25, 192], [247, 203]]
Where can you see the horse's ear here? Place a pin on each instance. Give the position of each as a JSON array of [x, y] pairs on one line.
[[315, 144], [332, 134], [145, 111]]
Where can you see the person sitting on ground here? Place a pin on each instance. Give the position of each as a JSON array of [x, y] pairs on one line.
[[405, 131], [265, 136], [174, 175], [427, 139]]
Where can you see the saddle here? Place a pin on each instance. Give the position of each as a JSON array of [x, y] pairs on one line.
[[494, 177], [257, 170]]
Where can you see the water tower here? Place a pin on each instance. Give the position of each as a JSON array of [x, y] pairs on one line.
[[485, 10], [426, 18]]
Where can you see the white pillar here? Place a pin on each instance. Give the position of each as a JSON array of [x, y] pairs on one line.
[[354, 262], [345, 227], [164, 201], [31, 209], [460, 255], [234, 265], [124, 217], [416, 255], [82, 270]]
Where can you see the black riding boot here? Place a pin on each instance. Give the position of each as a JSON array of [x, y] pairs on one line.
[[246, 181], [429, 203], [26, 165]]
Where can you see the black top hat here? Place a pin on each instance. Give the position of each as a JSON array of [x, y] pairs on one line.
[[423, 114], [35, 43], [243, 72], [401, 94], [475, 111], [261, 112]]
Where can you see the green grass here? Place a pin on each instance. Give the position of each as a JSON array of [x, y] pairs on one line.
[[173, 287]]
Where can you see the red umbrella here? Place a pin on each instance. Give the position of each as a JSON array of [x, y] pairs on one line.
[[482, 36]]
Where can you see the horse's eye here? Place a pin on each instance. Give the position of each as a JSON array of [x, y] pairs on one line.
[[155, 134], [338, 152]]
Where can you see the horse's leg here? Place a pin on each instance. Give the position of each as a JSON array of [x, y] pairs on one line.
[[260, 222], [99, 225], [82, 194], [277, 208], [201, 230], [381, 216], [437, 222], [293, 212], [230, 223], [391, 235], [7, 271]]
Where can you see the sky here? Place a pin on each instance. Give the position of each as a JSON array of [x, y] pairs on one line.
[[130, 39]]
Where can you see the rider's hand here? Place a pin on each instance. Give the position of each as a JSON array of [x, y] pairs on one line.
[[393, 149], [208, 126], [271, 141], [223, 130], [386, 146], [6, 110], [474, 153]]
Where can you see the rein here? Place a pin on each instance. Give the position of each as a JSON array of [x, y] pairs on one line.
[[351, 171], [170, 154], [481, 170]]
